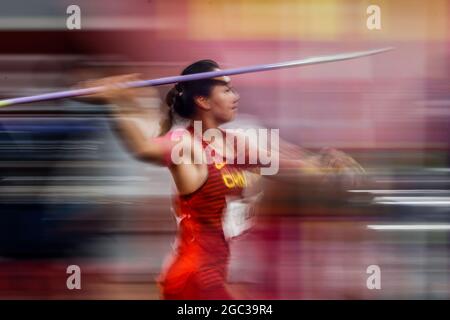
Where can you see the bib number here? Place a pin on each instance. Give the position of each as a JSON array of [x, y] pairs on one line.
[[239, 216]]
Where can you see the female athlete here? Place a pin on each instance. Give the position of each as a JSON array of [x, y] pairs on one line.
[[204, 180]]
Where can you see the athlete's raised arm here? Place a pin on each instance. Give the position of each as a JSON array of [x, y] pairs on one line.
[[131, 119]]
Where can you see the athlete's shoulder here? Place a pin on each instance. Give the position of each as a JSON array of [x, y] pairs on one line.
[[181, 147]]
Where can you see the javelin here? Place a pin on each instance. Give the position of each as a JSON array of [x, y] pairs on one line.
[[192, 77]]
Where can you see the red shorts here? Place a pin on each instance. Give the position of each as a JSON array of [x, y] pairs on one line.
[[198, 270]]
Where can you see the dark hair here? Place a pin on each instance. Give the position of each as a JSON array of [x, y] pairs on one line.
[[181, 97]]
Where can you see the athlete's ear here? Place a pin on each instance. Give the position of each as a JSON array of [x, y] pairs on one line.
[[202, 102]]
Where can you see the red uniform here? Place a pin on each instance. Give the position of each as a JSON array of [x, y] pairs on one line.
[[199, 268]]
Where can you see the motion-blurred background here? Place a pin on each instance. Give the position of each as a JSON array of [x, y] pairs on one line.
[[70, 194]]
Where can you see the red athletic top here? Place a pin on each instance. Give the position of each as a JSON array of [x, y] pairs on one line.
[[203, 251], [206, 205]]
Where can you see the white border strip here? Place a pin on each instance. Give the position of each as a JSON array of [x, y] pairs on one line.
[[409, 227]]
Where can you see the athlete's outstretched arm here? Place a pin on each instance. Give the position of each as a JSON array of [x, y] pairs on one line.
[[328, 165], [324, 166]]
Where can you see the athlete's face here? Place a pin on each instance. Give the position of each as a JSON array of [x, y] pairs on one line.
[[223, 101]]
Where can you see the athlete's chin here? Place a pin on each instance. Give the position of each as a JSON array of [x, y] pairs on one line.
[[228, 117], [231, 118]]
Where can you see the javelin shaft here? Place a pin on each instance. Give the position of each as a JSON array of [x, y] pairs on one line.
[[191, 77]]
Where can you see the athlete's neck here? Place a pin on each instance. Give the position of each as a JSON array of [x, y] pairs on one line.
[[207, 123]]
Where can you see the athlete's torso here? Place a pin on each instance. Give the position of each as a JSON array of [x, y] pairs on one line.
[[204, 208]]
